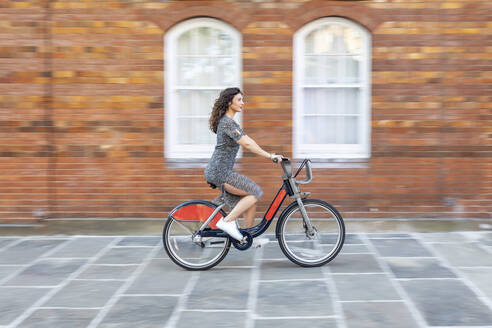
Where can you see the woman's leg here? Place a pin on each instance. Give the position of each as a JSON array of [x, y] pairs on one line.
[[249, 216], [246, 202]]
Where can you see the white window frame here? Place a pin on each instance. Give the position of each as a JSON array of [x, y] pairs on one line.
[[332, 151], [173, 150]]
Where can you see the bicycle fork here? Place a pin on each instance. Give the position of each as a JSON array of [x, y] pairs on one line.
[[310, 230]]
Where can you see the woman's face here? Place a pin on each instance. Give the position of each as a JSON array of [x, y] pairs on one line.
[[237, 103]]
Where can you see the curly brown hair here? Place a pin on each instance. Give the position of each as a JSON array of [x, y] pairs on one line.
[[221, 105]]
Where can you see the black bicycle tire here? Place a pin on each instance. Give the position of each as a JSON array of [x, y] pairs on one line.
[[178, 262], [281, 241]]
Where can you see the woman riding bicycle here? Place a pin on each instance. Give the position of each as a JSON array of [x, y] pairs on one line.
[[239, 192]]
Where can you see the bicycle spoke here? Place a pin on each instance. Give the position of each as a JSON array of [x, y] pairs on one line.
[[317, 249]]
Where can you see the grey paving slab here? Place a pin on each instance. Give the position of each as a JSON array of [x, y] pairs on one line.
[[377, 315], [293, 298], [124, 256], [269, 236], [28, 250], [211, 319], [447, 303], [272, 251], [347, 263], [161, 254], [443, 237], [296, 323], [6, 270], [353, 239], [483, 237], [139, 241], [365, 287], [221, 289], [361, 283], [105, 271], [161, 276], [142, 312], [4, 242], [355, 249], [418, 268], [349, 239], [84, 293], [388, 235], [59, 318], [464, 254], [481, 278], [14, 301], [400, 247], [47, 272], [239, 258], [285, 269], [82, 247]]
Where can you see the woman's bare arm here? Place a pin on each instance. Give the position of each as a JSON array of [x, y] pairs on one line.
[[253, 147]]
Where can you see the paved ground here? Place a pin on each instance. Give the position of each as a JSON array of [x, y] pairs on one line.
[[379, 280]]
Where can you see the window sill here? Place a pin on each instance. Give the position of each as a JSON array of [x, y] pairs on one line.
[[336, 163], [316, 163]]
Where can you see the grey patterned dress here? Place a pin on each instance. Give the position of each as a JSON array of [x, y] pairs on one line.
[[220, 170]]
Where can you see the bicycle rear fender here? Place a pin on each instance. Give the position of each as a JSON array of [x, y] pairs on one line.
[[196, 210]]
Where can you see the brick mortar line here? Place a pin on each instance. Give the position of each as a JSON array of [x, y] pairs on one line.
[[65, 282], [120, 291], [399, 289]]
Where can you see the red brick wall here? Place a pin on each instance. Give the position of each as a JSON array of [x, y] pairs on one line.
[[82, 117]]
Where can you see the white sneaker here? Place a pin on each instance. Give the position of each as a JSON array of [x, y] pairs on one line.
[[230, 228], [259, 242]]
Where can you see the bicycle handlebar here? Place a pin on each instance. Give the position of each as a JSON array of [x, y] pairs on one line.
[[287, 167], [309, 173]]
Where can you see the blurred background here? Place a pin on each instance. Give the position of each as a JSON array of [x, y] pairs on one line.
[[104, 105], [104, 108]]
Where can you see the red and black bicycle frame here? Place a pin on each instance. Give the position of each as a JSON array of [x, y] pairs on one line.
[[199, 209]]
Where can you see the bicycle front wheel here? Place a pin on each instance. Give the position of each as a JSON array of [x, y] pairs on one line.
[[311, 250], [188, 250]]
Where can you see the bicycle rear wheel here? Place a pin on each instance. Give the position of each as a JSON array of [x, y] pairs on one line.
[[323, 246], [184, 247]]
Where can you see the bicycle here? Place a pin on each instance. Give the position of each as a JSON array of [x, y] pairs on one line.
[[310, 232]]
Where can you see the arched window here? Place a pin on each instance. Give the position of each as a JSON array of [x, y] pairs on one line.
[[332, 90], [202, 57]]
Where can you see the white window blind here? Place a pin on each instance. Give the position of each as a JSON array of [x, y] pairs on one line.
[[331, 90], [202, 57]]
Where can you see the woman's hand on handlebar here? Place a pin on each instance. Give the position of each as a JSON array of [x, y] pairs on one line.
[[276, 158]]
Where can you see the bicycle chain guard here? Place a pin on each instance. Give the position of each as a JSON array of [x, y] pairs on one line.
[[245, 245]]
